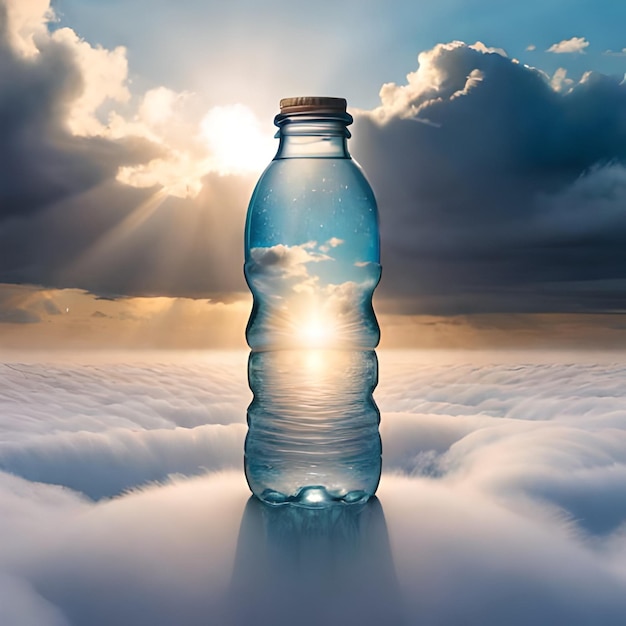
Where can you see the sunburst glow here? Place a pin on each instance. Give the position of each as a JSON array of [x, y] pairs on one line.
[[235, 139], [317, 332]]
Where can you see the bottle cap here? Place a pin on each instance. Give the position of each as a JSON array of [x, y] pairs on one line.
[[312, 104]]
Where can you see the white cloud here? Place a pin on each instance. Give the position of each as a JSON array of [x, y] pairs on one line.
[[560, 82], [27, 20], [431, 82], [193, 143], [333, 242], [502, 497], [179, 174], [227, 140], [158, 105], [287, 261], [569, 46], [104, 75], [481, 47], [287, 266], [614, 53], [306, 307], [531, 47]]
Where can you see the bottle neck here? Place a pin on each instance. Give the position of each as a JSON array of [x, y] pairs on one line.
[[313, 135]]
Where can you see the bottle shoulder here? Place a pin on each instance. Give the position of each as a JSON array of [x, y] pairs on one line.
[[283, 176]]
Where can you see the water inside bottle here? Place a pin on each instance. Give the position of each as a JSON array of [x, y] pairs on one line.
[[313, 426], [312, 264]]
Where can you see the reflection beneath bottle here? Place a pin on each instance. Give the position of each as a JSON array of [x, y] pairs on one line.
[[314, 566]]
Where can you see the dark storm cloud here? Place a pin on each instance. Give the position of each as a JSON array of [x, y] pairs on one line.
[[41, 162], [116, 240], [497, 191], [64, 219]]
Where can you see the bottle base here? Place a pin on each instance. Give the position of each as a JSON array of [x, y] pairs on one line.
[[313, 497]]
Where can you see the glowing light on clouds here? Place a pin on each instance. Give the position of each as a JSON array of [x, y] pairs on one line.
[[226, 139], [105, 79], [308, 309], [26, 20]]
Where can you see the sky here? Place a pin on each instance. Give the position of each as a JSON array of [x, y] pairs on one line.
[[493, 134], [494, 137], [502, 500]]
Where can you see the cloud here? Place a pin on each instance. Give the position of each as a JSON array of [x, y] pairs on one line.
[[105, 465], [569, 46], [287, 261], [500, 499], [297, 302], [137, 194], [43, 162], [464, 199], [18, 316], [21, 604], [16, 307], [73, 319], [560, 81], [333, 242], [26, 21], [614, 53], [138, 243], [100, 180], [531, 47], [104, 78]]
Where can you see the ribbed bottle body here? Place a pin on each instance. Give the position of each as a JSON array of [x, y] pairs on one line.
[[312, 263]]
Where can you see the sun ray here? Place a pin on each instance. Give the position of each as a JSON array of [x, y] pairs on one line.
[[110, 239]]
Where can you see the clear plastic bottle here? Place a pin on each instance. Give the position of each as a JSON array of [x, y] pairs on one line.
[[312, 257]]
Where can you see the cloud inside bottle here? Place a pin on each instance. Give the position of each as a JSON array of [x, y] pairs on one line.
[[298, 300]]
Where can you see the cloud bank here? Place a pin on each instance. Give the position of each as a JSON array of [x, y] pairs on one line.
[[122, 498], [498, 191], [106, 190], [500, 188]]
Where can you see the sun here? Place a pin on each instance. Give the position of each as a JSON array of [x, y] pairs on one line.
[[235, 140], [317, 332], [228, 140]]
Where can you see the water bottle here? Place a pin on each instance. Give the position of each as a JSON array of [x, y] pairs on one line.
[[312, 262]]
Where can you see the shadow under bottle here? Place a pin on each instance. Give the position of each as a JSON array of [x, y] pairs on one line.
[[307, 566]]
